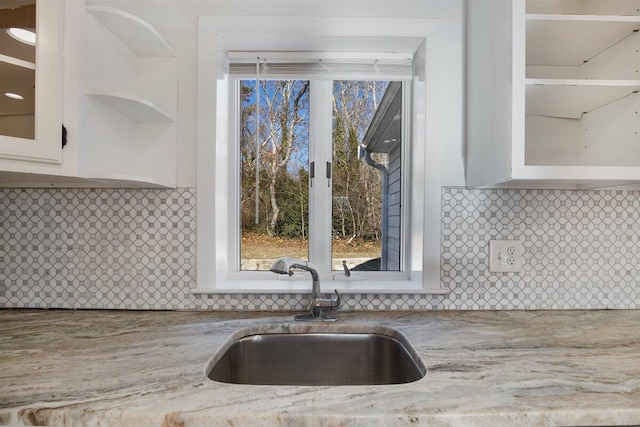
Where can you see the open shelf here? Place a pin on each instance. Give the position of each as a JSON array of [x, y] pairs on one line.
[[571, 99], [584, 7], [128, 181], [4, 59], [131, 69], [576, 57], [137, 34], [570, 40], [31, 180], [139, 109]]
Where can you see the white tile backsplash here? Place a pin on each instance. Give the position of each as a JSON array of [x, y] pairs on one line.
[[135, 249], [581, 248]]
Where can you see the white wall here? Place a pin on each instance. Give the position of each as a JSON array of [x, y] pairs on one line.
[[177, 21]]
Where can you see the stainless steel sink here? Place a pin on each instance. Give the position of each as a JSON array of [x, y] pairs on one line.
[[317, 359]]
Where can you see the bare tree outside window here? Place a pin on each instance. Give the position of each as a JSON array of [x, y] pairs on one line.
[[283, 200]]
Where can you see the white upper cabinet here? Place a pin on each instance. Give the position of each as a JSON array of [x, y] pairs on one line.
[[30, 126], [553, 93], [120, 86]]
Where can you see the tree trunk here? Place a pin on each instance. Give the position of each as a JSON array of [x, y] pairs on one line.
[[273, 221], [286, 113]]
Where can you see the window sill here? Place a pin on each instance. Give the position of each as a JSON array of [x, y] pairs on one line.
[[386, 291]]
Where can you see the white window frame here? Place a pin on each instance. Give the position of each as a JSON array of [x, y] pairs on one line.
[[320, 194], [217, 188]]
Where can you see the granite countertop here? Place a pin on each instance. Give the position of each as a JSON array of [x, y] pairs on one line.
[[503, 368]]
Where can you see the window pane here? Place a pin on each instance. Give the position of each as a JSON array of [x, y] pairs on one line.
[[367, 124], [275, 224]]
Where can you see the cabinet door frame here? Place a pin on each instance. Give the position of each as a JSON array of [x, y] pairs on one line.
[[47, 145]]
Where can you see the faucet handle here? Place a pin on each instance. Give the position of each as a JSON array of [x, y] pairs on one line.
[[338, 301], [347, 272]]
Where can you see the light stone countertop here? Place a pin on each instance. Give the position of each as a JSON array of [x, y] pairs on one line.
[[502, 368]]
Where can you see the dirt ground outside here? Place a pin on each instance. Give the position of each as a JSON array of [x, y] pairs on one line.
[[258, 251]]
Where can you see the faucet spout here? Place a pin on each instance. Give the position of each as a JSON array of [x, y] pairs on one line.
[[286, 265]]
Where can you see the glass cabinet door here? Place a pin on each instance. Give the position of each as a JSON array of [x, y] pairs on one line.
[[30, 80]]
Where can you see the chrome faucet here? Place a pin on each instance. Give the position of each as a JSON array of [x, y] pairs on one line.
[[319, 304]]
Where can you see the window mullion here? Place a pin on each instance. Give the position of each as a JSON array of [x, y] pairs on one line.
[[320, 191]]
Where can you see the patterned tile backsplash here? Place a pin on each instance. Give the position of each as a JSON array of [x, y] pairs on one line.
[[581, 249], [135, 249]]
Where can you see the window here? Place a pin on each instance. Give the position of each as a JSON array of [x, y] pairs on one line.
[[273, 131], [360, 162], [318, 141], [333, 157], [368, 195]]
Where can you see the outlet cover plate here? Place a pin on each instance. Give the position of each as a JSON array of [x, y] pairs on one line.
[[506, 256]]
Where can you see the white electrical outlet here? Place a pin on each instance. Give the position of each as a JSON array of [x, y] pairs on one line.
[[506, 256]]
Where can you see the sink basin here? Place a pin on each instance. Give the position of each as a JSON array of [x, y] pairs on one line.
[[317, 359]]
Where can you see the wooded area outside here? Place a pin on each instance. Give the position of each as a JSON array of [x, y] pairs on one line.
[[283, 187]]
